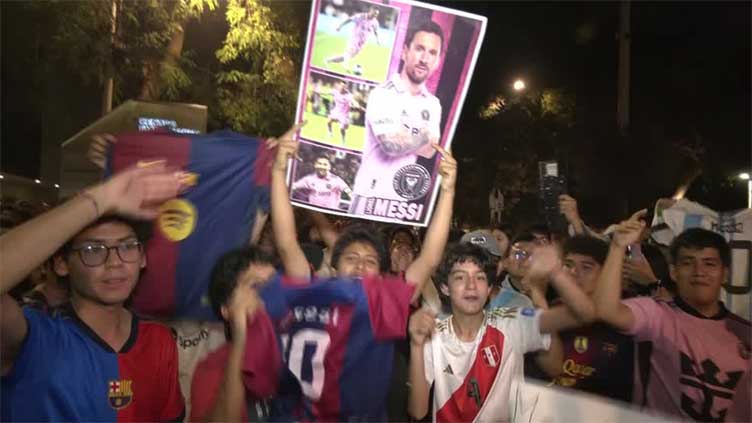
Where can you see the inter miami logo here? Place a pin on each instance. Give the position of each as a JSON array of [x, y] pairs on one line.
[[177, 219], [411, 182], [120, 393], [705, 389]]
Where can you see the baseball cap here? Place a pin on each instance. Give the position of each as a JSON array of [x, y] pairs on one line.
[[484, 239]]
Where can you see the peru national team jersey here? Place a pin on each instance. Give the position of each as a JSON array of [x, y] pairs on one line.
[[65, 372], [482, 380], [392, 109], [696, 362], [336, 340], [322, 192]]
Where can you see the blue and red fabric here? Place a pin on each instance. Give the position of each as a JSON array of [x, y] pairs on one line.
[[337, 340], [65, 372], [232, 183]]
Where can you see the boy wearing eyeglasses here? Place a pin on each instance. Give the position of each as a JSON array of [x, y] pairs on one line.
[[92, 359]]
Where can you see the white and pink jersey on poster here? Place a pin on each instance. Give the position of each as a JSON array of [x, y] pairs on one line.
[[391, 109], [363, 27], [322, 191]]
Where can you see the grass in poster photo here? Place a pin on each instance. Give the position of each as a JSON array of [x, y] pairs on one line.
[[355, 39], [335, 111]]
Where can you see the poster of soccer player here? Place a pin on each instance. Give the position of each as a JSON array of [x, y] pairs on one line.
[[323, 177], [397, 114], [336, 113], [354, 38]]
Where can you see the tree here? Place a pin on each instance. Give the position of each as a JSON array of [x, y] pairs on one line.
[[257, 86]]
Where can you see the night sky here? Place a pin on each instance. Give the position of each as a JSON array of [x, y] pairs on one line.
[[690, 78]]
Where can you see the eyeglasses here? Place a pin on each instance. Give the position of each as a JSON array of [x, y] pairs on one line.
[[520, 255], [93, 255]]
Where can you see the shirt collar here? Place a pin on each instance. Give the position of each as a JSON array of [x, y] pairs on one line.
[[401, 86], [722, 312]]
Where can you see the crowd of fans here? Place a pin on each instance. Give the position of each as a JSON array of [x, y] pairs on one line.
[[367, 322]]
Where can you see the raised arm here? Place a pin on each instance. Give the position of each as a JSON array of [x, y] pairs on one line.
[[136, 193], [283, 218], [608, 305], [421, 327], [438, 231], [231, 398], [578, 308]]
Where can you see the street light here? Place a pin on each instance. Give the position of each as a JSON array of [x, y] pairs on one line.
[[744, 176], [519, 85]]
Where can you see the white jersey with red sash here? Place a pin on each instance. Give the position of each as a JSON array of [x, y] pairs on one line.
[[482, 380]]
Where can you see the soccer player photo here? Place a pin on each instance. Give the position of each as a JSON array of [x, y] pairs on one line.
[[335, 111], [394, 121], [355, 38], [324, 176]]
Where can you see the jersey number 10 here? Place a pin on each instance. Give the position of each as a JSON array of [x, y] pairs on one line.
[[307, 349]]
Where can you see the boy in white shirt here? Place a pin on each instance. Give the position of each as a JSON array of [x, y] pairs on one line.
[[474, 358]]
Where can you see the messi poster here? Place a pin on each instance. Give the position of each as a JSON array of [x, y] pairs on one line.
[[381, 82]]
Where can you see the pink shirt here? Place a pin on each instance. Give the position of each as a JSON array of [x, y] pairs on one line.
[[342, 101], [696, 362], [391, 108], [363, 27], [323, 192]]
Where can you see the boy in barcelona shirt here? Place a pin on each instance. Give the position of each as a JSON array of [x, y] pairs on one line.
[[474, 358], [700, 350]]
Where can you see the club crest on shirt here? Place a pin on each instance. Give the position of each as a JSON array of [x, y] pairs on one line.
[[490, 355], [580, 344], [411, 182], [425, 115], [120, 393]]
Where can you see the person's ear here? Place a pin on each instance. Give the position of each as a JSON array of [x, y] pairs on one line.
[[60, 266], [444, 289]]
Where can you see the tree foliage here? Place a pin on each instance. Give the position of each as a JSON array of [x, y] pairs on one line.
[[258, 82]]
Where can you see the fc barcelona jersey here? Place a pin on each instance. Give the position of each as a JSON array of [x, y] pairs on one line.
[[229, 176], [336, 338], [65, 372]]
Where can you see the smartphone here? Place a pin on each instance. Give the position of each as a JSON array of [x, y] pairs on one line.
[[552, 185]]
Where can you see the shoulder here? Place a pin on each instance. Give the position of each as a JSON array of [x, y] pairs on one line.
[[151, 331]]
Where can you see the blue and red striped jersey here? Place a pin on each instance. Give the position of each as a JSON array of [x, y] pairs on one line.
[[231, 175], [65, 372], [336, 338]]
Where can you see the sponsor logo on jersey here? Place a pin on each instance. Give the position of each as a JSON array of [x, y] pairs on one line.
[[448, 369], [490, 355], [177, 219], [411, 182], [572, 368], [580, 344], [120, 393], [527, 311]]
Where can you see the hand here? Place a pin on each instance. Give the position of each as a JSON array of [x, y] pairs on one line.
[[447, 169], [138, 192], [421, 326], [568, 207], [638, 270], [542, 263], [628, 231], [242, 308], [401, 257], [286, 145], [97, 152]]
